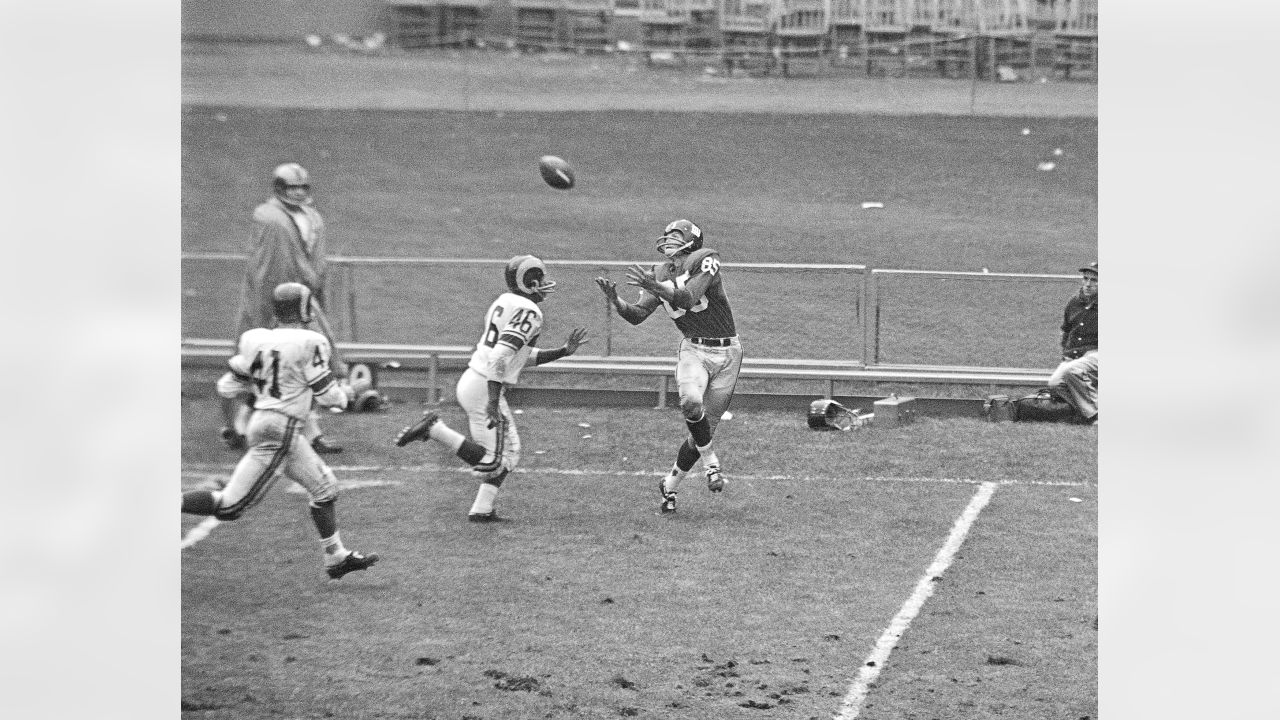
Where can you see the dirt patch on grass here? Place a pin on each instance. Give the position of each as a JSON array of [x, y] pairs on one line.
[[268, 75]]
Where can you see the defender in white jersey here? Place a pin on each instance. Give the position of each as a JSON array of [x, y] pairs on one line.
[[283, 369], [507, 343]]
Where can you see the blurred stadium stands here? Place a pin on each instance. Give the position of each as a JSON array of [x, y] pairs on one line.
[[972, 39], [988, 39]]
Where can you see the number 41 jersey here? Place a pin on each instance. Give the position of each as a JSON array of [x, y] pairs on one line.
[[285, 368], [512, 320]]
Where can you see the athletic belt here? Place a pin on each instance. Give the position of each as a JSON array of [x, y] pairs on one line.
[[711, 342]]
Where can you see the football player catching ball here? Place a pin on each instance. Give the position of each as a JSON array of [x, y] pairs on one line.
[[690, 287]]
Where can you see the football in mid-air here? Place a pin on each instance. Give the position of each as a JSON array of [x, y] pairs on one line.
[[557, 172]]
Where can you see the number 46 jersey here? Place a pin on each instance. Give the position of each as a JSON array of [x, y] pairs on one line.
[[512, 320], [285, 368]]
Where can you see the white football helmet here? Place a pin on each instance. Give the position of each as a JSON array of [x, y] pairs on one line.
[[292, 303]]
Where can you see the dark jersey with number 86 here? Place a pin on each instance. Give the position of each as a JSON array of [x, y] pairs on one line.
[[711, 315]]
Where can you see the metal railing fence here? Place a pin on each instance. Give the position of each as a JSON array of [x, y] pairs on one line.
[[785, 311]]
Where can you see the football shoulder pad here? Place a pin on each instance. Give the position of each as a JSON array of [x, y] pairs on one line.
[[703, 260]]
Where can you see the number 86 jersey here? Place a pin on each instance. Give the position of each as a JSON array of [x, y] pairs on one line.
[[710, 316], [285, 368]]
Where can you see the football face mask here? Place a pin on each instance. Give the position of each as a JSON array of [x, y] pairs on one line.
[[679, 236]]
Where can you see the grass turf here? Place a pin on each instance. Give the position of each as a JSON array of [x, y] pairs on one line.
[[587, 604]]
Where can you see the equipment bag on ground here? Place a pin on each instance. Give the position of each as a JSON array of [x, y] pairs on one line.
[[1040, 406]]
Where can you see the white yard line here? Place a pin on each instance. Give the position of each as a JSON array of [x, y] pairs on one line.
[[871, 667], [205, 471], [200, 532]]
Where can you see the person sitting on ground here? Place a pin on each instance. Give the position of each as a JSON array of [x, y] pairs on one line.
[[1076, 379]]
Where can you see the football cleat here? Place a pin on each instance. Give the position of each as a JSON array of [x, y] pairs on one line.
[[321, 446], [715, 480], [668, 498], [352, 562], [418, 430], [491, 516]]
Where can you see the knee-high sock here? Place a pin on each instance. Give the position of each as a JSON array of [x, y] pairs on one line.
[[700, 431], [464, 447], [325, 517], [485, 497], [686, 456], [199, 502]]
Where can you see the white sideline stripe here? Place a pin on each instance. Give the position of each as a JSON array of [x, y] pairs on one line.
[[870, 669], [297, 489], [210, 470], [294, 488], [200, 532]]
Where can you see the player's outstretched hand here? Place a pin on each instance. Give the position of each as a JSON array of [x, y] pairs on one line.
[[494, 413], [608, 287], [576, 338], [641, 278]]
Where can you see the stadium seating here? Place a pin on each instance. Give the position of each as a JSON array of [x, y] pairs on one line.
[[745, 38], [436, 23], [946, 38], [801, 29]]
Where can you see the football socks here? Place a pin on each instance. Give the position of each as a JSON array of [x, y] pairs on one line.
[[686, 456], [447, 435], [325, 517], [334, 552], [700, 429], [199, 502], [485, 496], [671, 482]]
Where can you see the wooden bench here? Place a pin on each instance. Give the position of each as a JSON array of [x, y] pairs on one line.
[[828, 371], [431, 358]]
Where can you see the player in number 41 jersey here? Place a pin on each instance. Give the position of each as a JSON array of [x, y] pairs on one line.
[[507, 342], [690, 287], [283, 368]]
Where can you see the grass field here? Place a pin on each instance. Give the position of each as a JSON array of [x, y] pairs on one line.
[[763, 601]]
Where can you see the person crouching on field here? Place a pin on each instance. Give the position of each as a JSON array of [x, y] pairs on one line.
[[511, 328], [1076, 378]]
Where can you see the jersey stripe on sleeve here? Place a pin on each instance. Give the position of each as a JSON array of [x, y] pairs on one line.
[[321, 384]]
